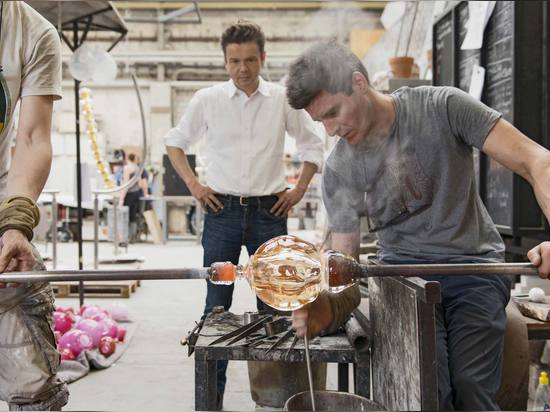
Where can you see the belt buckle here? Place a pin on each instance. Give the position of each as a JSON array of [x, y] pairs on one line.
[[241, 201]]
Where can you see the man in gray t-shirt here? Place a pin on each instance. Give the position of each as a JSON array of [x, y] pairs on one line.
[[417, 187], [405, 161]]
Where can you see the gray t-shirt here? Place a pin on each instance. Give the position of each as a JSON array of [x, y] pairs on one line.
[[418, 187]]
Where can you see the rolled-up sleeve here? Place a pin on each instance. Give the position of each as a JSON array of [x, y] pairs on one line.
[[41, 73], [309, 143], [191, 127]]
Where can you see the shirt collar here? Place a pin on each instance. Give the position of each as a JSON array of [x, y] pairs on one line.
[[263, 87], [231, 89]]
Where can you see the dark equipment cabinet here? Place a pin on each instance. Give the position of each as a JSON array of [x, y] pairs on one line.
[[173, 184], [515, 55]]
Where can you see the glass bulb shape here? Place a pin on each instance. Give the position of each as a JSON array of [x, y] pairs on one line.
[[287, 272]]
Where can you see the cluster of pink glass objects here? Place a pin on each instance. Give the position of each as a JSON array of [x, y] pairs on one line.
[[89, 328]]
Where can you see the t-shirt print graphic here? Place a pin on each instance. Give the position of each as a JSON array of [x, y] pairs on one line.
[[401, 189], [5, 104]]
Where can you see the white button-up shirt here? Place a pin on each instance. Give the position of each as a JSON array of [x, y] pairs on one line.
[[245, 137]]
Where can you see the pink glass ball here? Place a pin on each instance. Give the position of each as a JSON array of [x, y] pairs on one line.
[[92, 328], [76, 340], [62, 322]]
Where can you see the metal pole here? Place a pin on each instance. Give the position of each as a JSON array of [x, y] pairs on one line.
[[164, 219], [309, 375], [96, 230], [88, 275], [78, 171], [483, 269], [54, 230], [478, 269], [115, 224]]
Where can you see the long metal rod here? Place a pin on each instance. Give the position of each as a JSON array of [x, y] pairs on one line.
[[309, 375], [88, 275], [78, 170], [53, 230], [96, 230], [115, 224], [481, 269]]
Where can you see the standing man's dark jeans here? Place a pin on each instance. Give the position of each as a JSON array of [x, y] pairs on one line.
[[224, 233]]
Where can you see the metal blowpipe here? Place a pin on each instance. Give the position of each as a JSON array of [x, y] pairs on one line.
[[478, 269], [89, 275], [357, 271]]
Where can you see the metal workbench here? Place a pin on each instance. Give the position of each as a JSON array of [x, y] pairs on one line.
[[334, 348]]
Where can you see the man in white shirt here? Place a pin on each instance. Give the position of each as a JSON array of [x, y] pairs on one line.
[[244, 121], [30, 59]]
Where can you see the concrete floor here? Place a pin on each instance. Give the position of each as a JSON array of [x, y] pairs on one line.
[[155, 373]]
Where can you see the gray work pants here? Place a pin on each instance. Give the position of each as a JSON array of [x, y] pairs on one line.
[[28, 354], [470, 323]]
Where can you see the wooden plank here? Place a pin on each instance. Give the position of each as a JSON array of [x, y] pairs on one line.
[[153, 225], [535, 310], [61, 290], [96, 289]]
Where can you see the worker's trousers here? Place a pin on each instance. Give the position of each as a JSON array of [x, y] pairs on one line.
[[470, 324], [28, 354], [225, 232]]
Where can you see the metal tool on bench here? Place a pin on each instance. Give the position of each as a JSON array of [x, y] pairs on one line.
[[258, 340], [192, 337], [294, 341], [367, 270], [243, 332], [276, 326], [280, 340], [272, 328], [249, 317]]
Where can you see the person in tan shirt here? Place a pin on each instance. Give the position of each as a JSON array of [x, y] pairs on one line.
[[30, 55]]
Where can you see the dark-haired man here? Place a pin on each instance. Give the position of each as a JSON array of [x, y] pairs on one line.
[[405, 161], [244, 122]]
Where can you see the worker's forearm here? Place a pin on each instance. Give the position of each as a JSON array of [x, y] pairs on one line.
[[347, 243], [30, 166], [539, 177], [342, 304], [306, 174], [181, 164]]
